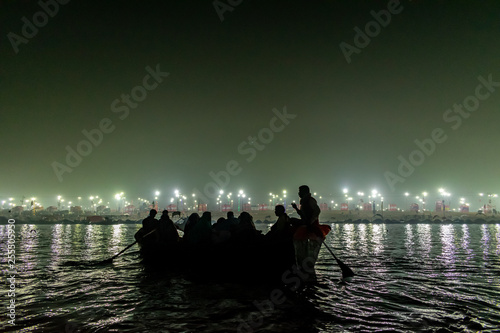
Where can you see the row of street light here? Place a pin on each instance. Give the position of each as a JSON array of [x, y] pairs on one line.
[[180, 201]]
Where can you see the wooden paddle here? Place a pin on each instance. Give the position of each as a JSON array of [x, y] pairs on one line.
[[347, 273], [107, 261]]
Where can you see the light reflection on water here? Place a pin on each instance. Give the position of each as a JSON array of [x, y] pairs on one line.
[[497, 226], [116, 238], [448, 245], [57, 242], [348, 231], [485, 239], [378, 235], [361, 237], [424, 232], [409, 240], [418, 277]]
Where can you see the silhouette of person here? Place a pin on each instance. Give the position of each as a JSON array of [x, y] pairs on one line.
[[221, 231], [201, 232], [231, 220], [282, 251], [283, 226], [308, 237], [167, 230], [246, 231], [309, 210], [191, 222], [246, 221], [148, 224]]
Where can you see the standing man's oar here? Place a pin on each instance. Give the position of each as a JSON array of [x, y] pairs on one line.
[[347, 273], [107, 261]]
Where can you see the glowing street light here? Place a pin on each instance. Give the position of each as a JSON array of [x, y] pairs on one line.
[[176, 192], [423, 202], [194, 201], [241, 195], [119, 197], [444, 194]]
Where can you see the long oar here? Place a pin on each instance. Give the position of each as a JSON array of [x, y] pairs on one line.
[[347, 273], [107, 261]]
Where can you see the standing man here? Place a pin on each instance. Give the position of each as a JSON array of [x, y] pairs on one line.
[[309, 236], [309, 210]]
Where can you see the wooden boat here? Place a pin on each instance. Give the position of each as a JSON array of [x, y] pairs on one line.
[[240, 253], [258, 257]]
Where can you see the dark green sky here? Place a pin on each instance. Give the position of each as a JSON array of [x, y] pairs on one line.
[[352, 120]]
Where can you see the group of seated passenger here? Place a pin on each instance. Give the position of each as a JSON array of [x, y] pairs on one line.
[[158, 231], [200, 231]]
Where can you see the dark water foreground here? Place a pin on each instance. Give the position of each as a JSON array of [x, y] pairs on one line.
[[411, 278]]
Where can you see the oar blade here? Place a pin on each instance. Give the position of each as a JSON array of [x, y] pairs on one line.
[[347, 273]]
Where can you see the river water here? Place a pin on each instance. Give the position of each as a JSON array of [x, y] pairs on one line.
[[410, 278]]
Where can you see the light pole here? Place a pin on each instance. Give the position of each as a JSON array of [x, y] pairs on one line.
[[33, 205], [177, 196], [117, 197], [491, 195], [360, 200], [348, 203], [229, 201], [406, 200], [156, 205], [241, 195], [443, 203]]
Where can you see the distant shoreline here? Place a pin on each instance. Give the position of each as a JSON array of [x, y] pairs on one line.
[[267, 216]]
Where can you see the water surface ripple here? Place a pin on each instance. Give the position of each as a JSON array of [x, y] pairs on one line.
[[410, 278]]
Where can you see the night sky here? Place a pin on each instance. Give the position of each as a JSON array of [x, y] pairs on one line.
[[346, 107]]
